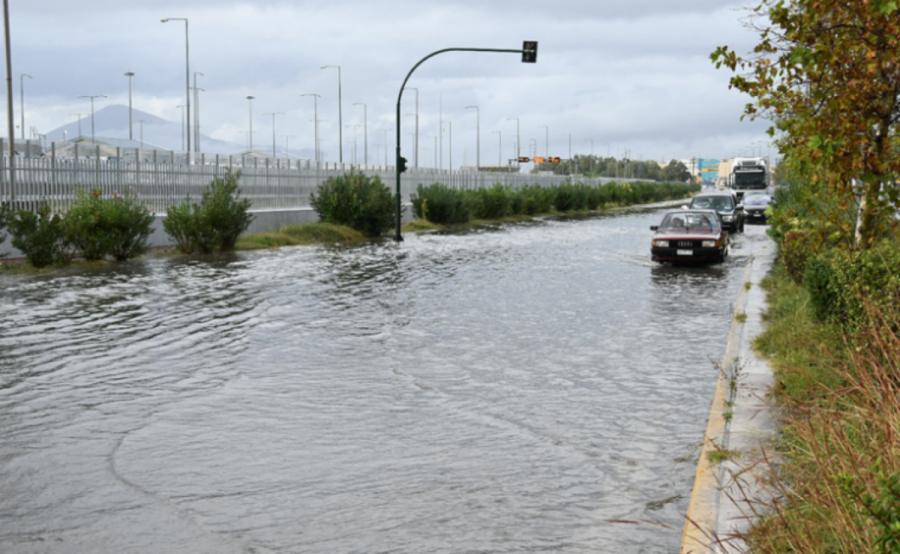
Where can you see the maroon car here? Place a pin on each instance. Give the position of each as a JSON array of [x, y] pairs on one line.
[[689, 236]]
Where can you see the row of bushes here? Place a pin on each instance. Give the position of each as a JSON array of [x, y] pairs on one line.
[[94, 228], [97, 227], [832, 337], [366, 204], [118, 226], [444, 205], [839, 278]]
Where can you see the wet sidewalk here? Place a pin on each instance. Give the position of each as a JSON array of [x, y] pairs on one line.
[[739, 430]]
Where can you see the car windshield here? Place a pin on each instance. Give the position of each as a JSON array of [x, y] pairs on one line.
[[756, 200], [720, 203], [691, 221]]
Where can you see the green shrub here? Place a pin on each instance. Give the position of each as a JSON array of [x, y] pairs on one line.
[[358, 201], [38, 235], [215, 223], [117, 226], [5, 213], [796, 250], [537, 199], [490, 203], [841, 283], [571, 197], [440, 204]]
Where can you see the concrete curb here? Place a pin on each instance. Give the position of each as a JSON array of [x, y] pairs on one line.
[[740, 425]]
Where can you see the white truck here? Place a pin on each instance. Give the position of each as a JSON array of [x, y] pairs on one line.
[[748, 174]]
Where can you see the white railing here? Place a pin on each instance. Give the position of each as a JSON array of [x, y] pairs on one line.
[[163, 179]]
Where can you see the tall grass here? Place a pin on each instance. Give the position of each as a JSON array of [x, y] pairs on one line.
[[836, 488]]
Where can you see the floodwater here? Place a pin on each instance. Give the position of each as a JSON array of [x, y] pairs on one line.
[[540, 387]]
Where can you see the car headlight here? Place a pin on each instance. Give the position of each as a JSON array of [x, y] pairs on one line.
[[727, 218], [710, 243], [661, 243]]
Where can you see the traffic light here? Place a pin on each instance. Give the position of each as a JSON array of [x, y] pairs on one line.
[[524, 159], [401, 164], [554, 160], [538, 159], [529, 51]]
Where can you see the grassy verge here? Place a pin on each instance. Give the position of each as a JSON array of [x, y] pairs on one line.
[[305, 233], [836, 487]]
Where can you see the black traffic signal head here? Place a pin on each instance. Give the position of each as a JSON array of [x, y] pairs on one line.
[[529, 51], [554, 160], [524, 159], [401, 164]]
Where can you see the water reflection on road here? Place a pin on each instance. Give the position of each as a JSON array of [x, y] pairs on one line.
[[524, 388]]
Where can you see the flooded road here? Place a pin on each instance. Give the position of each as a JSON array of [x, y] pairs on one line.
[[535, 387]]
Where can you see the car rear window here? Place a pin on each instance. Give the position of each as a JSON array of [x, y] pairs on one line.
[[712, 203], [690, 221]]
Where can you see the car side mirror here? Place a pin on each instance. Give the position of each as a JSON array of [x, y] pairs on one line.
[[739, 207], [654, 227]]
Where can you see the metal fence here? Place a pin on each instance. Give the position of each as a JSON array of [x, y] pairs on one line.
[[163, 179]]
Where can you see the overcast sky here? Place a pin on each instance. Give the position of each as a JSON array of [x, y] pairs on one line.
[[625, 74]]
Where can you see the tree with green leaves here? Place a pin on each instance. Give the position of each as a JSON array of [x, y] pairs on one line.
[[827, 73], [676, 172]]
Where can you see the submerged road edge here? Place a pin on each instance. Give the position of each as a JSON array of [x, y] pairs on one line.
[[739, 429]]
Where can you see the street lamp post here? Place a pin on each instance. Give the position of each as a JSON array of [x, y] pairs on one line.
[[592, 157], [197, 112], [386, 131], [187, 78], [315, 121], [22, 99], [92, 110], [78, 115], [435, 151], [365, 130], [130, 74], [183, 132], [355, 127], [449, 146], [340, 115], [273, 114], [518, 139], [499, 148], [287, 145], [141, 127], [250, 132], [546, 140], [477, 136]]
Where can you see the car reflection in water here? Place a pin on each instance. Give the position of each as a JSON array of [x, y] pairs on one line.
[[689, 236]]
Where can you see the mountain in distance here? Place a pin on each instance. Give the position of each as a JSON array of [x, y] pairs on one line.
[[112, 122]]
